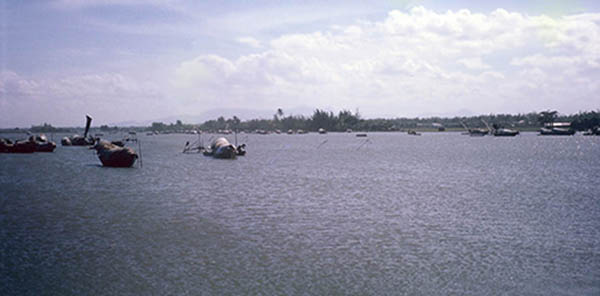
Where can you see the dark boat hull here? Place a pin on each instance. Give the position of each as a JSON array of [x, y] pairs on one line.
[[477, 133], [221, 148], [77, 141], [114, 156], [45, 147], [119, 159], [6, 146], [557, 132], [505, 133]]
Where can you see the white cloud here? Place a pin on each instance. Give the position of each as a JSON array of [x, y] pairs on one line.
[[252, 42], [474, 63], [406, 64], [109, 97], [414, 63]]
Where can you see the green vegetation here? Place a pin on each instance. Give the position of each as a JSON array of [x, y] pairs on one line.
[[178, 126], [345, 120]]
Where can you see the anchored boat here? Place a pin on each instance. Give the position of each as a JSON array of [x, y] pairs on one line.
[[77, 140], [112, 155]]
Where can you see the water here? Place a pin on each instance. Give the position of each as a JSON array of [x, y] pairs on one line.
[[390, 214]]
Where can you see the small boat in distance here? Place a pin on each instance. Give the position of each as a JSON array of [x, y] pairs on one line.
[[557, 129], [505, 132], [499, 131], [77, 140], [475, 132], [413, 133], [221, 148], [322, 131]]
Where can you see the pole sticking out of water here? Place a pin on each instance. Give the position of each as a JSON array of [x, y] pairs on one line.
[[200, 140], [140, 148], [322, 143], [367, 141]]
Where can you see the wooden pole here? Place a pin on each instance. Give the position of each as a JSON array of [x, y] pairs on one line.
[[140, 148]]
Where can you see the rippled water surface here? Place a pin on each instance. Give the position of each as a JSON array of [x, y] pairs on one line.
[[390, 214]]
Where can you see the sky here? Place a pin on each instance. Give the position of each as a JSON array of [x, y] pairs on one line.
[[136, 61]]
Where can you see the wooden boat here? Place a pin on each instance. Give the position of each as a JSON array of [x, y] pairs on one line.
[[34, 144], [77, 140], [556, 131], [112, 155], [42, 144], [498, 131], [478, 132], [413, 133], [22, 146], [504, 132], [221, 148], [475, 132]]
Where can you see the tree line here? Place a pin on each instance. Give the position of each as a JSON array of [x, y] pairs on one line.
[[347, 120]]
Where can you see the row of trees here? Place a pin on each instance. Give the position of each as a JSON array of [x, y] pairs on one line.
[[345, 120], [177, 126]]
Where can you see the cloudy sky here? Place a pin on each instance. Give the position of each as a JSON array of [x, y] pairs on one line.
[[139, 60]]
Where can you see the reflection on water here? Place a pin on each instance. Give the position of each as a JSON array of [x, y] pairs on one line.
[[308, 214]]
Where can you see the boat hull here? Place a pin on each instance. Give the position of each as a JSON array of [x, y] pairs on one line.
[[111, 155], [505, 133], [557, 132]]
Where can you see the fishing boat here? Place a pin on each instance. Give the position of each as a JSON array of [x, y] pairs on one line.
[[112, 155], [413, 133], [77, 140], [37, 143], [221, 148], [556, 131], [42, 144], [475, 132], [499, 131], [22, 146], [504, 132]]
